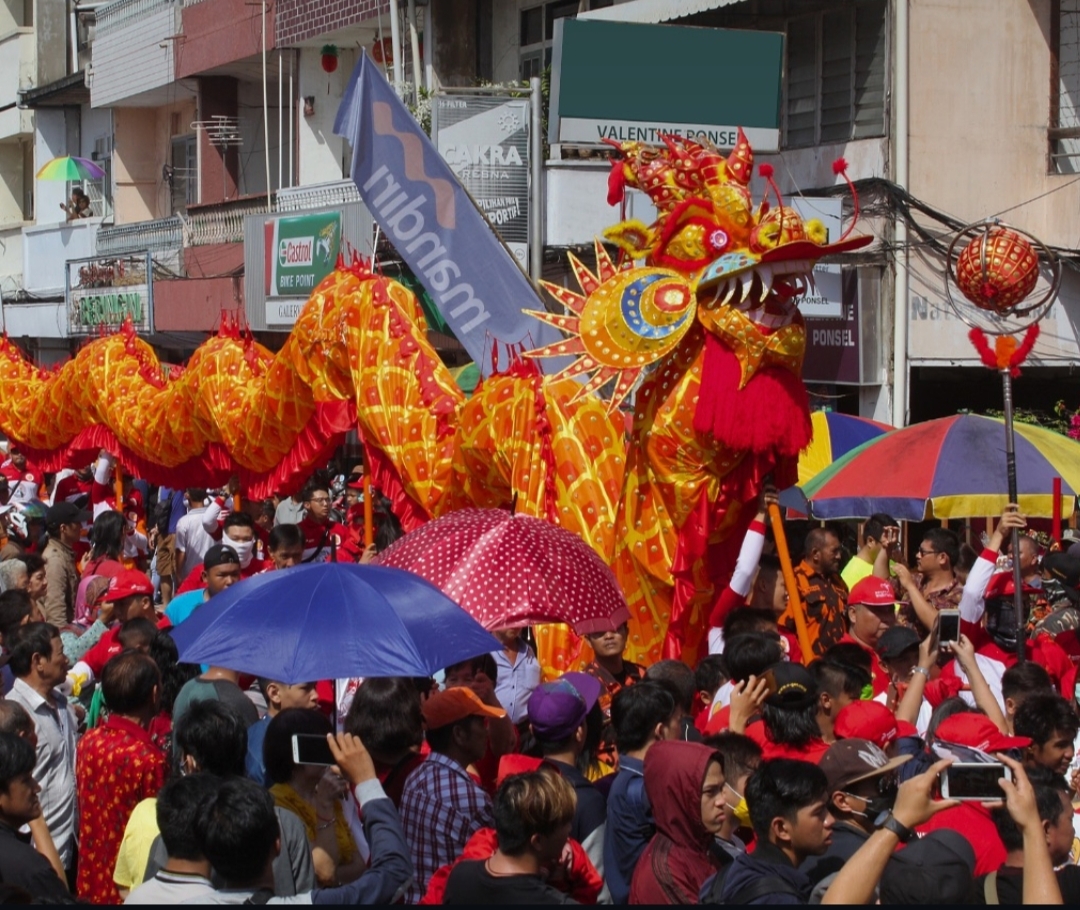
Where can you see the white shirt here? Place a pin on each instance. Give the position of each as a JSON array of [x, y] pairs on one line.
[[192, 539], [516, 681], [55, 767], [171, 888]]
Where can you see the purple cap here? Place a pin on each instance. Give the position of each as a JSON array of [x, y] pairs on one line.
[[558, 708]]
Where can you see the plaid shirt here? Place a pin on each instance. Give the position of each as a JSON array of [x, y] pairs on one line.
[[441, 808]]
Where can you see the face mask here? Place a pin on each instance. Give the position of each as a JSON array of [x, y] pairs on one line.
[[875, 806], [244, 550], [741, 810]]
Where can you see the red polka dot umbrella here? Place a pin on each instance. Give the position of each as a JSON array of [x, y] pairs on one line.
[[511, 570]]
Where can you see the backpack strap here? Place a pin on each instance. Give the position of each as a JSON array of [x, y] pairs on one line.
[[262, 896], [990, 888]]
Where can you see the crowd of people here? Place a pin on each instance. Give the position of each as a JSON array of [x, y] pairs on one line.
[[895, 733]]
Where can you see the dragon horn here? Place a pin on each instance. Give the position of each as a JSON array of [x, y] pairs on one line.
[[840, 169], [740, 163]]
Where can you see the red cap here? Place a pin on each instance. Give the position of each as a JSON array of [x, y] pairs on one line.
[[978, 732], [866, 720], [873, 592], [356, 484], [127, 584]]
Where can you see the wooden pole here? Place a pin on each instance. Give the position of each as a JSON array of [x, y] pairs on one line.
[[118, 488], [369, 513], [794, 601]]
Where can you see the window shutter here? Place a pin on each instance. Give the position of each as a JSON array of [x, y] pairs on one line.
[[836, 76], [801, 82], [870, 67]]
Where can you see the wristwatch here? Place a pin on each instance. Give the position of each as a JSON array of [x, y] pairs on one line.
[[889, 822], [921, 670]]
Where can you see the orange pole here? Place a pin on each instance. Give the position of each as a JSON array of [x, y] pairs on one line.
[[1057, 509], [794, 602], [369, 516], [118, 488], [237, 501]]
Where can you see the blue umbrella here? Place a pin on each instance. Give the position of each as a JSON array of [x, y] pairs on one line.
[[329, 621]]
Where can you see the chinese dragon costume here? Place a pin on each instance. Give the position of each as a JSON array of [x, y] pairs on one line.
[[696, 321]]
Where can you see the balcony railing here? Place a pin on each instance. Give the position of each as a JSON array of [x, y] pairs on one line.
[[123, 12], [221, 222], [166, 235], [317, 196]]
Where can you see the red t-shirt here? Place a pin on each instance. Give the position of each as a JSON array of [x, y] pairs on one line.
[[321, 540], [109, 646], [71, 488], [974, 822]]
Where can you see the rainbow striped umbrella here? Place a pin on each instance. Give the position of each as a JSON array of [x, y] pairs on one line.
[[953, 467], [71, 169], [834, 436]]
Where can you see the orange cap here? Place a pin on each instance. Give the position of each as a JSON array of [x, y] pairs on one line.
[[455, 704]]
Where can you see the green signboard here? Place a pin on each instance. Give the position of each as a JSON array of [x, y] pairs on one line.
[[90, 308], [300, 252], [631, 82]]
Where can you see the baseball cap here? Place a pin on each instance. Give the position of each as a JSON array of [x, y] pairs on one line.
[[452, 705], [66, 513], [866, 720], [790, 686], [978, 732], [896, 640], [357, 484], [936, 869], [220, 554], [1003, 585], [872, 592], [851, 760], [559, 707], [127, 584]]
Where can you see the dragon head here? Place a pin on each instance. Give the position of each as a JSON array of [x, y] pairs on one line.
[[711, 253]]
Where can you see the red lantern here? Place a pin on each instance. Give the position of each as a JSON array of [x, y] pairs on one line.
[[997, 270], [329, 58]]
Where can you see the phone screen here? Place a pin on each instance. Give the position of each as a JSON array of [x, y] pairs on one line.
[[974, 781], [311, 749], [949, 626]]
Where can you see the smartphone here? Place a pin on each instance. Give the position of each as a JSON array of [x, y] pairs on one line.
[[311, 749], [948, 627], [975, 781]]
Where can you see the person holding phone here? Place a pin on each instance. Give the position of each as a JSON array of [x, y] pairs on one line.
[[313, 792]]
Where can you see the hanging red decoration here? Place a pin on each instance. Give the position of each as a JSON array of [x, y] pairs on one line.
[[329, 57], [997, 270]]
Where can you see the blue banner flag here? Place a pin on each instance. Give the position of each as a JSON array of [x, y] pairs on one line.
[[433, 224]]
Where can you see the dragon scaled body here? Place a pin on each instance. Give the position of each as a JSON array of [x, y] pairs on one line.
[[704, 334]]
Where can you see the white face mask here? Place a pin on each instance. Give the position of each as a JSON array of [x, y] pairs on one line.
[[244, 549]]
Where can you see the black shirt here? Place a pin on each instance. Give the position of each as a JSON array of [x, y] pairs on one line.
[[23, 867], [470, 883], [1010, 885], [591, 810]]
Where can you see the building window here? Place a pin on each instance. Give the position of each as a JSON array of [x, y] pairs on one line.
[[836, 71], [538, 30], [183, 174], [1064, 131]]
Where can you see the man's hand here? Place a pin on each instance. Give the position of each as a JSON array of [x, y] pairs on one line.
[[353, 761], [890, 538], [1010, 518], [914, 800], [369, 555], [1019, 796], [106, 611], [964, 651], [769, 496], [903, 575], [746, 700]]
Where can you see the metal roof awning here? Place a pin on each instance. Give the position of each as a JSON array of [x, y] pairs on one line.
[[71, 91], [654, 10]]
